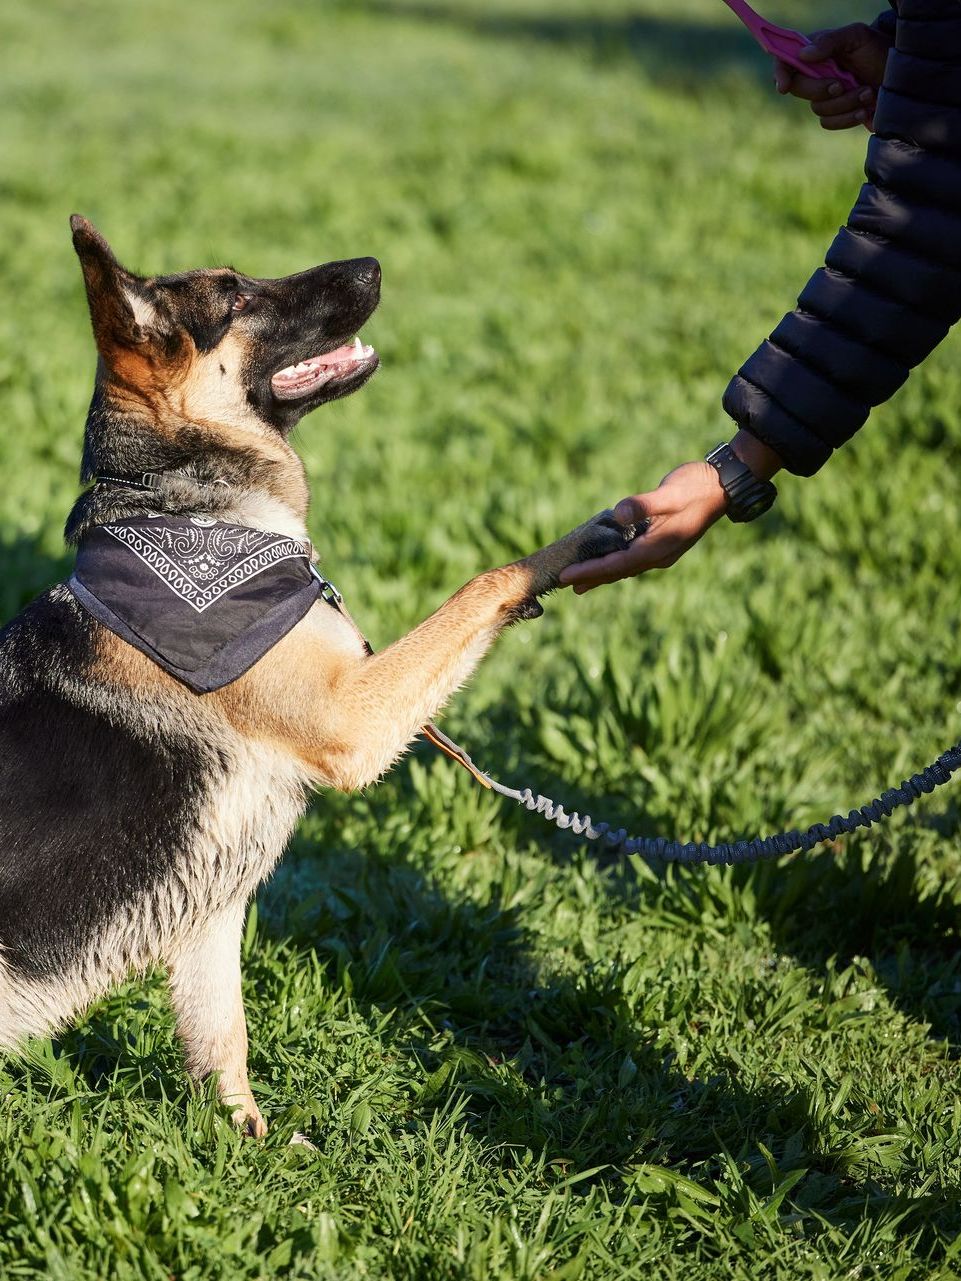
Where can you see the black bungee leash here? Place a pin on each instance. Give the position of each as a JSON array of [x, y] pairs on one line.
[[660, 849]]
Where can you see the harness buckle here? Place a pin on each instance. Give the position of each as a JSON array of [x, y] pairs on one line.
[[328, 592]]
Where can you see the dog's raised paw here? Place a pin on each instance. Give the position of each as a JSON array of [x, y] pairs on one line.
[[603, 535]]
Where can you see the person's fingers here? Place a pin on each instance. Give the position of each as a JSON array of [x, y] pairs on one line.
[[783, 76], [599, 578], [814, 88], [846, 104], [835, 43], [632, 511], [646, 552], [581, 589], [608, 569], [848, 121], [637, 509], [669, 520], [602, 569]]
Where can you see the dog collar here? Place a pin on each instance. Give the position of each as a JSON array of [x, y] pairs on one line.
[[142, 480], [203, 599], [147, 480]]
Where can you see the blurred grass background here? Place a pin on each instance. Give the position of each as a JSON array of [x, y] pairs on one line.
[[517, 1061]]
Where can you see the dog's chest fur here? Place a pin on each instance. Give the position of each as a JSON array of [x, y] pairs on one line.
[[243, 826]]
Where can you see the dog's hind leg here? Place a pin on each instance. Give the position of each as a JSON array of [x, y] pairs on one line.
[[205, 988]]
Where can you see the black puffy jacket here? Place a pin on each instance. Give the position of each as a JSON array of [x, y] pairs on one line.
[[891, 288]]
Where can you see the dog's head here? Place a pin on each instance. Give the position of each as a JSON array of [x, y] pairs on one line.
[[215, 346]]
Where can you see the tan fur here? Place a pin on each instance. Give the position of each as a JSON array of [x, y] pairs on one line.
[[210, 389], [205, 990], [135, 380], [347, 717], [192, 921], [315, 710], [127, 667]]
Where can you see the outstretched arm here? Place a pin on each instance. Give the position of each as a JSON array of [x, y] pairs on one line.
[[891, 285], [888, 294]]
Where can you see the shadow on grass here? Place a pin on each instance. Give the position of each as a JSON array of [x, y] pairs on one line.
[[554, 1065], [556, 1069], [869, 895], [666, 49], [835, 906]]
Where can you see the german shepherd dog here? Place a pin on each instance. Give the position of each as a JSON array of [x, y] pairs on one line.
[[137, 817]]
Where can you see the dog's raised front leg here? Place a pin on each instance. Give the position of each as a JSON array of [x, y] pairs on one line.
[[381, 705], [205, 988], [347, 716]]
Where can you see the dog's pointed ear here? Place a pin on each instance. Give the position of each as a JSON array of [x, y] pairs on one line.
[[120, 308]]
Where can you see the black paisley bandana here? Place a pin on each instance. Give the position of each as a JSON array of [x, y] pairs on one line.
[[203, 599]]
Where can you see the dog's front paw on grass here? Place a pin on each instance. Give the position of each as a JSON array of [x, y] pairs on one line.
[[248, 1119]]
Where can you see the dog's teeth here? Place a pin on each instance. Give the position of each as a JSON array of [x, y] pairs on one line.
[[358, 347]]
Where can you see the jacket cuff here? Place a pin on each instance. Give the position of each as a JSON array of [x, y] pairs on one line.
[[887, 24], [800, 450]]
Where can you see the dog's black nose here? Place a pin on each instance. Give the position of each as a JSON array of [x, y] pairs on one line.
[[366, 271]]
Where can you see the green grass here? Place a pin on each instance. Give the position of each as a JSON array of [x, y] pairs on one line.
[[515, 1059]]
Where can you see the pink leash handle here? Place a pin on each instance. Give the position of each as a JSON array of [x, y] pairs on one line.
[[786, 45]]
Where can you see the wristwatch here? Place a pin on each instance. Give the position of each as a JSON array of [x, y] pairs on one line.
[[747, 497]]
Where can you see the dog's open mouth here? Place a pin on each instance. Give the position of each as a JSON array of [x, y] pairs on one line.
[[333, 366]]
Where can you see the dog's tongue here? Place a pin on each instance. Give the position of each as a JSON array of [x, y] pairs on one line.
[[319, 370], [339, 354]]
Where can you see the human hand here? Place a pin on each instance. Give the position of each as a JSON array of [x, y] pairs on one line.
[[682, 508], [858, 49], [672, 517]]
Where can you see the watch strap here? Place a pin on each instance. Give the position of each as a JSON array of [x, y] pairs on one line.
[[747, 495]]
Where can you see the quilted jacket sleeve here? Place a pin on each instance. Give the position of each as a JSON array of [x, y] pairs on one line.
[[891, 285]]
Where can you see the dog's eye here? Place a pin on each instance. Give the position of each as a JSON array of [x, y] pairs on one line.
[[240, 301]]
